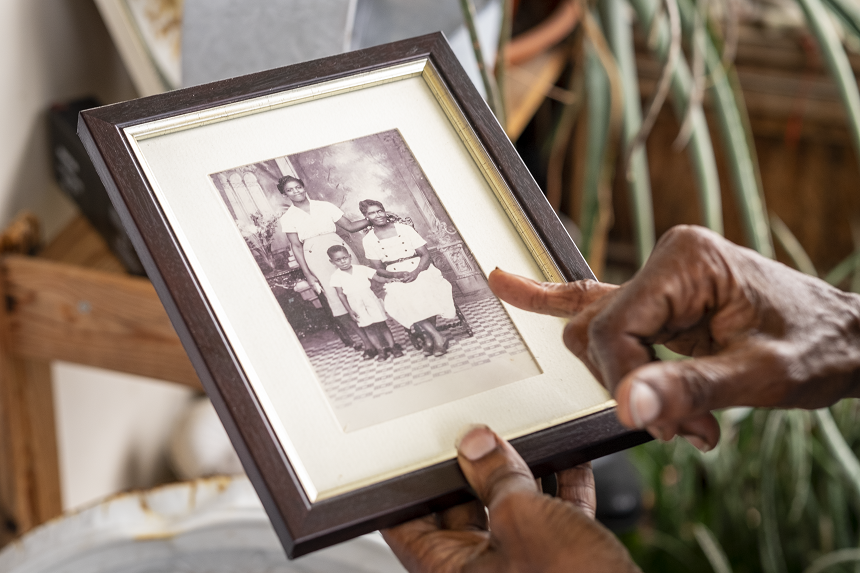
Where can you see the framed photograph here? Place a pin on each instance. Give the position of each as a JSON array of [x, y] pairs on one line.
[[148, 36], [321, 237]]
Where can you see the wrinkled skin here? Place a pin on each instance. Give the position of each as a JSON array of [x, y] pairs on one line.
[[531, 532], [760, 333]]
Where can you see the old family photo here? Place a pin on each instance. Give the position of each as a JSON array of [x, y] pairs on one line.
[[387, 300]]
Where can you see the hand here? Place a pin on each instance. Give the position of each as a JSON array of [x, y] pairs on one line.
[[354, 316], [315, 283], [529, 532], [411, 276], [760, 334]]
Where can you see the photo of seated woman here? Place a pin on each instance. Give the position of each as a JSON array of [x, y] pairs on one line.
[[421, 294], [385, 297]]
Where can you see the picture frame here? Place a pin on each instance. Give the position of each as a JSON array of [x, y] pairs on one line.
[[401, 123], [147, 34]]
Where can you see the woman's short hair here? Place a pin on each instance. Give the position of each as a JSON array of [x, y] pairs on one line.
[[282, 182], [334, 249], [366, 204]]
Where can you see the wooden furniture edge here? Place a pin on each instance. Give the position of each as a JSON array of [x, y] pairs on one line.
[[107, 320]]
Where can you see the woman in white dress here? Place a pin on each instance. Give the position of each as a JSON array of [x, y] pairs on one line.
[[311, 229], [421, 294]]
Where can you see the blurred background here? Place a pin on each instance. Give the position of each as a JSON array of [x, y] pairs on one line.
[[632, 115]]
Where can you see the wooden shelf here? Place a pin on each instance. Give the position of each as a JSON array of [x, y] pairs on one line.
[[527, 86], [57, 311]]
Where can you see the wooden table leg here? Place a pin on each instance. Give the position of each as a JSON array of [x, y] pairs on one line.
[[29, 467]]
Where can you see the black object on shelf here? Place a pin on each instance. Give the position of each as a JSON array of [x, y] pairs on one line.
[[619, 492], [77, 177]]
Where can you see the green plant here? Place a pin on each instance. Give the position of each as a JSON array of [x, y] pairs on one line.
[[781, 493], [771, 497]]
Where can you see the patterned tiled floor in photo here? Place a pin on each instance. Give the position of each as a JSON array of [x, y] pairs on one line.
[[347, 378]]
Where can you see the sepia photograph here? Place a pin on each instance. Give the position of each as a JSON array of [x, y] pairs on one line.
[[391, 308]]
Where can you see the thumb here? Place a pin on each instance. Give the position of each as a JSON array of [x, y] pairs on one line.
[[493, 467], [670, 393]]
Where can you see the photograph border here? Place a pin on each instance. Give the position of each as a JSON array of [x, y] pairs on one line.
[[301, 525]]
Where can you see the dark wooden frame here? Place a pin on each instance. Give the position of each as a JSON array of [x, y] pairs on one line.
[[301, 525]]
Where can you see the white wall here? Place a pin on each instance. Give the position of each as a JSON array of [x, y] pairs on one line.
[[111, 430], [110, 426], [50, 50]]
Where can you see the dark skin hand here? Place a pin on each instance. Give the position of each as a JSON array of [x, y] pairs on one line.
[[760, 334], [530, 532]]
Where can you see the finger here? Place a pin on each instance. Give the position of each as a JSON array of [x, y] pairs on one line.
[[612, 347], [685, 280], [556, 299], [703, 431], [407, 539], [662, 393], [576, 337], [576, 485], [468, 516], [493, 468]]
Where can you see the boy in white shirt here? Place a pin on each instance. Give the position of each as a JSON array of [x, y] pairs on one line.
[[352, 285]]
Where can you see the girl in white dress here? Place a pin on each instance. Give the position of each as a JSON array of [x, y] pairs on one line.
[[311, 229], [421, 294], [352, 285]]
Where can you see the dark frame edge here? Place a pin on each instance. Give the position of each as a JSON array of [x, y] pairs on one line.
[[211, 388], [260, 84], [537, 450]]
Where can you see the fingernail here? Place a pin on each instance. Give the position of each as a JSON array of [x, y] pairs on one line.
[[644, 404], [462, 433], [477, 443], [698, 443]]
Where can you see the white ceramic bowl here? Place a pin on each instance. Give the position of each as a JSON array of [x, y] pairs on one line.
[[211, 525]]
